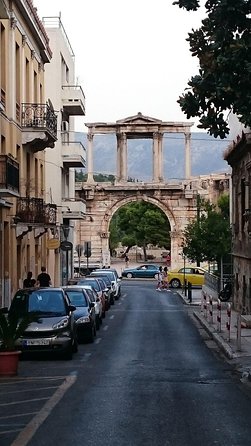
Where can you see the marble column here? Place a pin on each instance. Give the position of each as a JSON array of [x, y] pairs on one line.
[[119, 158], [160, 156], [90, 178], [123, 157], [187, 156], [156, 173]]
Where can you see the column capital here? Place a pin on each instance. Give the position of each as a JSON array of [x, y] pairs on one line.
[[90, 137]]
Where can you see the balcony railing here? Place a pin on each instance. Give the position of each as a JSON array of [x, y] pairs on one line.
[[39, 116], [9, 176], [73, 100], [34, 210]]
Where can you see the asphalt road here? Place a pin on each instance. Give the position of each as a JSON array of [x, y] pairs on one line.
[[149, 379]]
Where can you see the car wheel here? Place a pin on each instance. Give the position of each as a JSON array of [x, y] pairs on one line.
[[129, 275], [103, 314], [92, 335], [97, 323], [175, 283], [100, 320], [75, 345]]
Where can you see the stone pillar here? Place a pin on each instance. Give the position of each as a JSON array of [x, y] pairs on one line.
[[187, 156], [156, 173], [160, 157], [90, 178], [124, 157], [119, 157]]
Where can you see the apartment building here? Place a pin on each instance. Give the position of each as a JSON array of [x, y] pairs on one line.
[[60, 164], [28, 126]]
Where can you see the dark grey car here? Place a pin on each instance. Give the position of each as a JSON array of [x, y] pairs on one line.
[[54, 330]]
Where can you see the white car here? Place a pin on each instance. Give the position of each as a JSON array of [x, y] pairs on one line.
[[114, 277]]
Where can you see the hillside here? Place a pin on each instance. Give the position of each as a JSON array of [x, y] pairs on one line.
[[206, 155]]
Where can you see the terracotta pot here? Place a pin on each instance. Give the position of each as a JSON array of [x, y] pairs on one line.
[[9, 363]]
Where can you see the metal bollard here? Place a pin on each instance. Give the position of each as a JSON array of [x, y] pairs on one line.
[[238, 338], [228, 323], [189, 292], [210, 309], [205, 306], [219, 316]]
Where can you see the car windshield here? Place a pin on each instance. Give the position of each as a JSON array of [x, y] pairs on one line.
[[93, 283], [108, 273], [43, 302], [77, 298], [105, 278]]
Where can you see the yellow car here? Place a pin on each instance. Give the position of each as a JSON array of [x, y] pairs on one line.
[[194, 275]]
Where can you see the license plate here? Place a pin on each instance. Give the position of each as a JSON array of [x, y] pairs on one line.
[[36, 342]]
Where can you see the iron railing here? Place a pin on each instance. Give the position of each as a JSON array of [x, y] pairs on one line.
[[34, 210], [39, 116]]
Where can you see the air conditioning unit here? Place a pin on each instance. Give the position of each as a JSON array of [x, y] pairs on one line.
[[65, 126]]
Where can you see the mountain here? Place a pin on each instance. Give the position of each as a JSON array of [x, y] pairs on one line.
[[206, 155]]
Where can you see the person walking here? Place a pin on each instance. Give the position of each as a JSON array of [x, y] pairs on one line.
[[43, 279], [29, 282], [160, 279], [165, 284], [126, 260]]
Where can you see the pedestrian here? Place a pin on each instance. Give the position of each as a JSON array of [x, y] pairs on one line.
[[126, 260], [43, 279], [160, 279], [165, 284], [29, 282]]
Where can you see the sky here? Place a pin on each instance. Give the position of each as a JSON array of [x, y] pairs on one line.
[[130, 56]]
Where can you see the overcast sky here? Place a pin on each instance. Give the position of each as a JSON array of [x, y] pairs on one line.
[[131, 56]]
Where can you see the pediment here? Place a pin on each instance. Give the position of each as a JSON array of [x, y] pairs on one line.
[[139, 119]]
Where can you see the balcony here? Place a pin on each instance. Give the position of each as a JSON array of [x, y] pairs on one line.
[[73, 154], [39, 124], [73, 209], [9, 177], [73, 100], [34, 211]]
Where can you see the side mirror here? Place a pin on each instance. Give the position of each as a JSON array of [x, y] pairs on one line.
[[72, 308]]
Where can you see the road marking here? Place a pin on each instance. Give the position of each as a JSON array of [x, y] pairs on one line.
[[112, 316], [86, 357], [97, 341], [105, 327], [27, 433]]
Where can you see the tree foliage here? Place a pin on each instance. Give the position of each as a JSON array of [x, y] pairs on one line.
[[208, 238], [141, 224], [222, 45]]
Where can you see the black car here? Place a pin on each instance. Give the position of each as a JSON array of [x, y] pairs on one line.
[[114, 278], [102, 275], [54, 329], [84, 313]]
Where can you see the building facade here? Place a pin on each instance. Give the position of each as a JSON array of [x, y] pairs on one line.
[[68, 98], [238, 156], [28, 125]]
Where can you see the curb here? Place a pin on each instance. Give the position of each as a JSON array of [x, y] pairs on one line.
[[215, 335]]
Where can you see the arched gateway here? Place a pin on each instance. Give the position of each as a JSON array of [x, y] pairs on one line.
[[178, 200]]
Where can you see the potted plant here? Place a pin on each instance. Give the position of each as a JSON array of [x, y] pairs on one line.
[[11, 328]]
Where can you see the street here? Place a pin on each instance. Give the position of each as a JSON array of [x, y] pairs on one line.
[[148, 379]]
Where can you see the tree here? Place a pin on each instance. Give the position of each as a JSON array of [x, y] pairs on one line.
[[141, 224], [222, 45], [209, 237]]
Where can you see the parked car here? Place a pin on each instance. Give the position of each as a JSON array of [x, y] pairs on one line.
[[194, 275], [84, 314], [116, 281], [145, 271], [54, 331], [106, 296], [108, 283], [97, 301]]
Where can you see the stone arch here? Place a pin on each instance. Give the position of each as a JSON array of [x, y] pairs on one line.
[[175, 230]]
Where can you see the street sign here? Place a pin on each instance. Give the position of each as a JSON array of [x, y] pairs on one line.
[[66, 246], [53, 243]]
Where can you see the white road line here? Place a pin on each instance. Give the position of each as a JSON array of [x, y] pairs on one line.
[[86, 357], [112, 316], [105, 327], [97, 341], [27, 433]]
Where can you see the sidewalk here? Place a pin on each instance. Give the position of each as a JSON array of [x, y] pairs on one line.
[[221, 322]]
